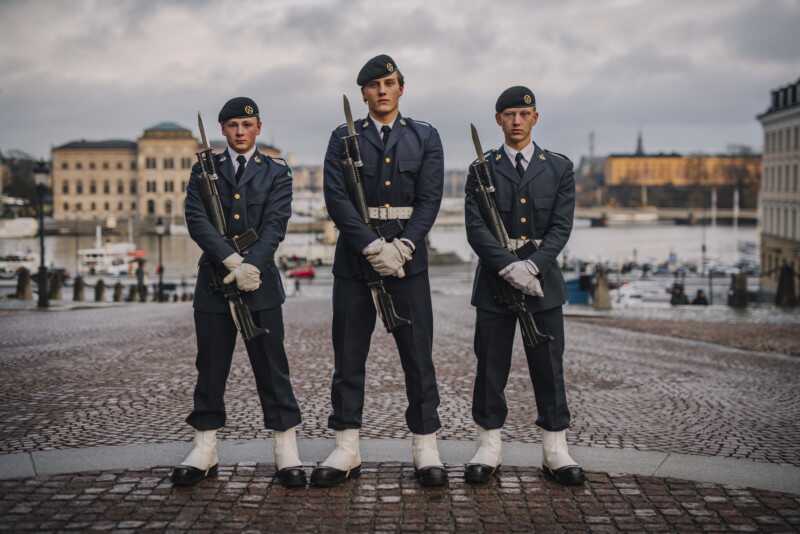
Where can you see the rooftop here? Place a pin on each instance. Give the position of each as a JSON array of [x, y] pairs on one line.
[[104, 144]]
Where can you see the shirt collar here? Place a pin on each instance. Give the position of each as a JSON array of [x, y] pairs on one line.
[[247, 155], [527, 152], [378, 124]]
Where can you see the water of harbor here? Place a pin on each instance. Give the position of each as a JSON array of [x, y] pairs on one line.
[[649, 243]]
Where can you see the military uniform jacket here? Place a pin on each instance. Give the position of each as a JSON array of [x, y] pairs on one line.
[[408, 171], [263, 201], [541, 205]]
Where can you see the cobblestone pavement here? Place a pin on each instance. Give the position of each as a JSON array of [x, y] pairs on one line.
[[125, 376], [780, 338], [386, 499]]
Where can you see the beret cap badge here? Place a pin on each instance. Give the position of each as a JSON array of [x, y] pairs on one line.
[[249, 109], [527, 99], [390, 67]]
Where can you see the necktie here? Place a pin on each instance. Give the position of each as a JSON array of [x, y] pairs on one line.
[[385, 130], [520, 168], [240, 171]]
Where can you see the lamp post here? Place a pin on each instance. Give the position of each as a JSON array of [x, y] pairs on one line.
[[41, 178], [160, 229]]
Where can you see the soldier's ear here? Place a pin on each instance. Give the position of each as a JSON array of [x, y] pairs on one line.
[[498, 118]]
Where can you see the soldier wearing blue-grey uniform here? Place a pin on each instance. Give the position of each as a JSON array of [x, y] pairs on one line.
[[256, 193], [535, 196], [403, 177]]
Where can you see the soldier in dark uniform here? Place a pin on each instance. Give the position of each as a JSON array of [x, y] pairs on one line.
[[403, 177], [256, 192], [535, 195]]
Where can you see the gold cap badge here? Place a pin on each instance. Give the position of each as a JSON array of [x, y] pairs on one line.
[[248, 109], [390, 67], [527, 99]]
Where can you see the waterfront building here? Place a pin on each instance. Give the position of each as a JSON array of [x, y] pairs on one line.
[[677, 180], [780, 189], [112, 181]]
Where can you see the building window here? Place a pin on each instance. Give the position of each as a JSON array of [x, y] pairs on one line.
[[64, 165], [119, 165], [106, 187], [168, 207], [106, 206], [78, 165], [186, 163], [92, 188], [169, 186], [105, 165], [119, 206], [78, 206], [133, 206], [91, 165], [133, 165], [132, 188], [93, 206], [66, 206], [120, 187], [151, 207], [795, 178], [65, 187], [169, 163], [797, 137], [150, 186], [150, 163], [183, 186], [79, 188]]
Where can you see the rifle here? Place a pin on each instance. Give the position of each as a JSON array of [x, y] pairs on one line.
[[241, 314], [504, 293], [384, 305]]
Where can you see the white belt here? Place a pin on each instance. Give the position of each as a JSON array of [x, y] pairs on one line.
[[514, 243], [388, 213]]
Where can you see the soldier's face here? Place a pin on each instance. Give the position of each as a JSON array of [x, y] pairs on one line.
[[383, 95], [517, 124], [241, 133]]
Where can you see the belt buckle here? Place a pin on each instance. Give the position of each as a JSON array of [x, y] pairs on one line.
[[385, 211]]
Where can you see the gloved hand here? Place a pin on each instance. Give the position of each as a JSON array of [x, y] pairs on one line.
[[522, 276], [247, 277], [374, 247], [405, 247], [232, 261], [387, 260]]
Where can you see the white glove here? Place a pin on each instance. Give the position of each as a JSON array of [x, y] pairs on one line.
[[232, 262], [374, 247], [247, 277], [388, 260], [405, 247], [522, 276]]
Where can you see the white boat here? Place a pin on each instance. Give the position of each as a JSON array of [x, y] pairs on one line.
[[11, 263], [18, 227], [114, 259]]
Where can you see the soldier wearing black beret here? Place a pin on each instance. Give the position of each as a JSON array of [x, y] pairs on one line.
[[403, 177], [535, 195], [256, 193]]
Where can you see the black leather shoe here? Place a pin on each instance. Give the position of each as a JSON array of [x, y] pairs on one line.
[[326, 477], [432, 476], [292, 477], [186, 475], [479, 473], [569, 475]]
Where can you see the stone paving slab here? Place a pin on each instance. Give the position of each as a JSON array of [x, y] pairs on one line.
[[387, 498], [745, 473], [124, 376]]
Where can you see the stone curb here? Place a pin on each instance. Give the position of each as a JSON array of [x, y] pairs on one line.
[[745, 473]]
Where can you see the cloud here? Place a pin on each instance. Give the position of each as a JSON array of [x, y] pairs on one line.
[[691, 75]]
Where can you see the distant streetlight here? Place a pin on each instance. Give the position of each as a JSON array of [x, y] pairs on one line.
[[41, 178], [160, 231]]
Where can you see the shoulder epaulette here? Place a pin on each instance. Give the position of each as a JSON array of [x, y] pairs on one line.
[[429, 125], [279, 161], [562, 156]]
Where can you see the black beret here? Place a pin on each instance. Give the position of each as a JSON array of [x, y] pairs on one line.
[[515, 97], [241, 106], [377, 67]]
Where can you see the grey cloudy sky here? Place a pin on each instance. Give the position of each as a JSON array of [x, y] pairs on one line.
[[692, 75]]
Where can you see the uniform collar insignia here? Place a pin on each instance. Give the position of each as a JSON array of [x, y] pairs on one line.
[[222, 159], [402, 122], [257, 159], [498, 156], [541, 156], [365, 124]]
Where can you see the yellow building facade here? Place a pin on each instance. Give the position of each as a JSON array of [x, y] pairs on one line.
[[658, 170], [113, 181]]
